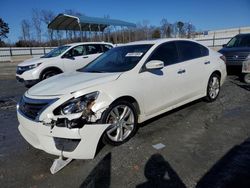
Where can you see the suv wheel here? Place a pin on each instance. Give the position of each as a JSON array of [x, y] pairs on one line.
[[123, 119], [213, 88], [49, 73]]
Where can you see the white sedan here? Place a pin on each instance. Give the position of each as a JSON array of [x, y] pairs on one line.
[[70, 113]]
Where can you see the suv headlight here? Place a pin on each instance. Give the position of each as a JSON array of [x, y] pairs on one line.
[[29, 67], [76, 105], [33, 66]]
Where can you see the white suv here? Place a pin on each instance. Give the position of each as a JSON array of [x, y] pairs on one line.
[[62, 59], [69, 113]]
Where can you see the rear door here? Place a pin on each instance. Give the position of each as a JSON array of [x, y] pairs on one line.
[[194, 69], [73, 59], [92, 52]]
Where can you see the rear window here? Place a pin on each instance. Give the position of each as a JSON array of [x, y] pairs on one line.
[[190, 50], [93, 49]]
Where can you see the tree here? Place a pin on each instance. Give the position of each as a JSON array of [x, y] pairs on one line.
[[36, 19], [166, 28], [180, 28], [26, 27], [4, 29], [47, 16], [156, 34], [189, 29]]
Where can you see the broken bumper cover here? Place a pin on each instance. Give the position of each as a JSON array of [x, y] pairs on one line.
[[42, 137]]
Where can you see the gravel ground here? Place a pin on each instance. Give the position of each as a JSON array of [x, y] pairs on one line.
[[206, 145]]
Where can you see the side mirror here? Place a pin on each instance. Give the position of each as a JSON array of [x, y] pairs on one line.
[[154, 64], [224, 45]]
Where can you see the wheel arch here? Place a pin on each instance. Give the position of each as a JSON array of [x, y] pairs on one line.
[[50, 69], [216, 72], [130, 99]]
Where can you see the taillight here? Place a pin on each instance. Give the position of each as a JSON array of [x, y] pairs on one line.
[[223, 58]]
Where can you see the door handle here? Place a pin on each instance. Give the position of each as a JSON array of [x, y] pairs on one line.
[[85, 57], [181, 71], [207, 62]]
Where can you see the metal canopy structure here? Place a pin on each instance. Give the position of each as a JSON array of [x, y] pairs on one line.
[[85, 23]]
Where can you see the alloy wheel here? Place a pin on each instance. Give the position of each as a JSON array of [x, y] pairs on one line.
[[214, 87], [122, 120]]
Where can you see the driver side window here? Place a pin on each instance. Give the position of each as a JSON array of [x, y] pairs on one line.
[[167, 53]]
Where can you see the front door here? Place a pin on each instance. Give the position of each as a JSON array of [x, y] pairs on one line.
[[161, 87]]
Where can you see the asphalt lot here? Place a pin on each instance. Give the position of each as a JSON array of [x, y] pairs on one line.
[[206, 145]]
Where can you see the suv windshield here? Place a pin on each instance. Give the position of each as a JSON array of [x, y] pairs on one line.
[[239, 41], [56, 52], [119, 59]]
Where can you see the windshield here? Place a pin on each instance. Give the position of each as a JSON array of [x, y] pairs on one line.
[[56, 52], [119, 59], [239, 41]]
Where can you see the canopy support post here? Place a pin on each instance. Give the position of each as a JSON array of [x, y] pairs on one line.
[[129, 33], [123, 37], [116, 40], [99, 32], [90, 39], [80, 30]]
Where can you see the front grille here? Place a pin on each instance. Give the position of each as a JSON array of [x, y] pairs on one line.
[[236, 58], [32, 108]]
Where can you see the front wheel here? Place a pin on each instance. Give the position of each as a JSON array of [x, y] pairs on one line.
[[49, 74], [123, 119], [213, 88]]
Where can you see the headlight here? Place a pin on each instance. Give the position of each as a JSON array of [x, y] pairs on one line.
[[29, 67], [81, 104], [33, 66]]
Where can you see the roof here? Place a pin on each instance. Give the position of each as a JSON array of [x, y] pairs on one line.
[[84, 43], [243, 34], [69, 22], [158, 41]]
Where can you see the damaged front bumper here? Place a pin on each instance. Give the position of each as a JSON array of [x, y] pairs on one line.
[[75, 143]]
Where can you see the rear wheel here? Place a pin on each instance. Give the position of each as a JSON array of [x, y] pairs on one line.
[[123, 119], [213, 88], [246, 78]]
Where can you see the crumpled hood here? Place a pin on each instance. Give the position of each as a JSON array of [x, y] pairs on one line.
[[32, 61], [69, 82]]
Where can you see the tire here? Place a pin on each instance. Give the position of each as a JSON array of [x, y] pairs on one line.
[[213, 88], [122, 128], [49, 73], [246, 78]]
